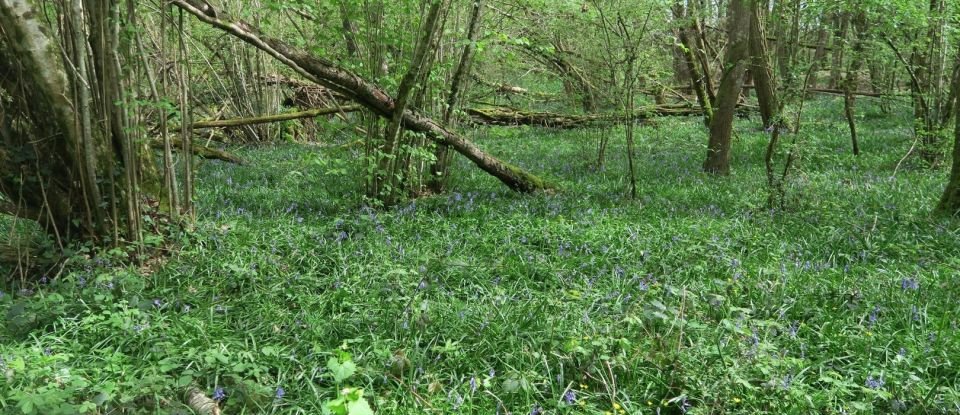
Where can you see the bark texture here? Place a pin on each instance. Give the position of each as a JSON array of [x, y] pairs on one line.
[[735, 60], [950, 201], [760, 68]]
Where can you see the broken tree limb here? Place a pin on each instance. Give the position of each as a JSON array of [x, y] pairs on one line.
[[238, 122], [512, 116], [366, 93], [200, 403], [840, 92], [7, 208], [506, 89], [200, 151]]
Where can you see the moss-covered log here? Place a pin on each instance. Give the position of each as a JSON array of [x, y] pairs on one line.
[[200, 151], [513, 116], [266, 119]]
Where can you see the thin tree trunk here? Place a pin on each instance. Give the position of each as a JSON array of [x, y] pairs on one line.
[[760, 68], [721, 127], [384, 176], [353, 86], [839, 47], [819, 55], [850, 83], [70, 147], [698, 79], [440, 169], [950, 201]]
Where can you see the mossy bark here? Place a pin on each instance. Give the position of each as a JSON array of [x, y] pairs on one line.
[[728, 94], [950, 201]]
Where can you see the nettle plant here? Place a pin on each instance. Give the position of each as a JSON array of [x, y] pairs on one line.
[[350, 400]]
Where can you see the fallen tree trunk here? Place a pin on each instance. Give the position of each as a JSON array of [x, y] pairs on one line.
[[8, 208], [513, 117], [199, 151], [371, 96], [239, 122], [830, 91]]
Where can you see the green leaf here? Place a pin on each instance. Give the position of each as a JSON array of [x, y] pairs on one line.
[[359, 407], [341, 371]]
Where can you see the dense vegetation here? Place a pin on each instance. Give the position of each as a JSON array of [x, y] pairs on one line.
[[327, 250], [482, 299]]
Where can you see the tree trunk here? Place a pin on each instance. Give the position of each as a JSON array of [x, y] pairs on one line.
[[818, 56], [697, 77], [850, 84], [372, 96], [385, 188], [839, 47], [731, 83], [950, 201], [760, 68], [440, 169], [66, 128]]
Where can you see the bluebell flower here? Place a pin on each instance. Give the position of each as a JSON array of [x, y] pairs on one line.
[[787, 382], [219, 394], [909, 284], [492, 372], [536, 410], [872, 318], [570, 397], [473, 384], [457, 402], [280, 392], [874, 383]]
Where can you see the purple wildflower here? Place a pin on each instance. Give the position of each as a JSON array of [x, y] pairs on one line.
[[909, 284], [874, 383], [280, 392], [873, 315], [219, 394], [570, 397]]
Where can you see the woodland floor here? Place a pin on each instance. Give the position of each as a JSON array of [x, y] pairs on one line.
[[485, 301]]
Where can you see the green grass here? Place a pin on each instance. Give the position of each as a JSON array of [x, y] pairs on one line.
[[693, 293]]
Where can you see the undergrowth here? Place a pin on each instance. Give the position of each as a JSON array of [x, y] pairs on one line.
[[693, 298]]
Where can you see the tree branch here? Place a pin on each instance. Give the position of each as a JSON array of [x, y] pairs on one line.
[[199, 150], [368, 94], [238, 122], [913, 76]]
